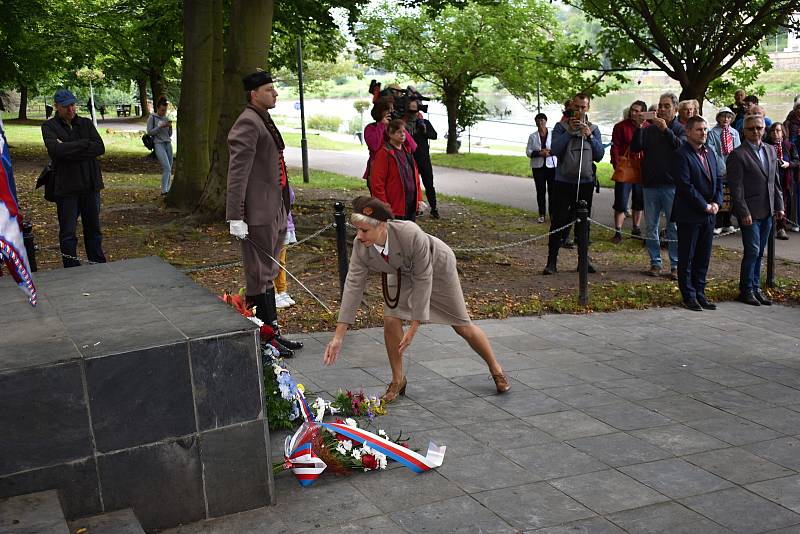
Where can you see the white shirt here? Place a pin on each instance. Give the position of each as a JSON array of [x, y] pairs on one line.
[[383, 250]]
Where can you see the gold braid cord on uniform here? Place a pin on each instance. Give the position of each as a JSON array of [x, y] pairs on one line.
[[390, 301]]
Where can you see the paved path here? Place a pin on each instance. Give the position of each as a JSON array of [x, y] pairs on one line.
[[639, 421]]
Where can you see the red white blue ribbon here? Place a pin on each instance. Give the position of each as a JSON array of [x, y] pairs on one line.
[[307, 467]]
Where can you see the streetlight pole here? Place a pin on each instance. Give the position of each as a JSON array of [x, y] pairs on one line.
[[303, 140]]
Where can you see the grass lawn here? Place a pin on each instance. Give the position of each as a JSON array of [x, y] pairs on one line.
[[509, 165]]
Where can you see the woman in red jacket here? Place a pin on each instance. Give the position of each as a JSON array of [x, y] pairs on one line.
[[394, 177]]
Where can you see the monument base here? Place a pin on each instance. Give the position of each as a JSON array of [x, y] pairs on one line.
[[129, 386]]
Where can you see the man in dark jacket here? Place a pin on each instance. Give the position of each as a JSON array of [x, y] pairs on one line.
[[422, 131], [659, 141], [698, 196], [73, 145]]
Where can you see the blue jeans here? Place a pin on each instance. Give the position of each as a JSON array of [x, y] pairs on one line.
[[754, 240], [164, 154], [658, 200]]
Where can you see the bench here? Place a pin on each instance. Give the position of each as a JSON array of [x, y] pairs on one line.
[[123, 110]]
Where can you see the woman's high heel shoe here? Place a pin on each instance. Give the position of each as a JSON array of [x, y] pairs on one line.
[[501, 382], [394, 390]]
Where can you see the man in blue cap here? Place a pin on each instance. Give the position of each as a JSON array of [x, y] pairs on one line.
[[74, 145]]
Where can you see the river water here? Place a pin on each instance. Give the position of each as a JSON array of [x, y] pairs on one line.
[[517, 124]]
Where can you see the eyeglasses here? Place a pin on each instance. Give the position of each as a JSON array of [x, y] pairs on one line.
[[754, 128]]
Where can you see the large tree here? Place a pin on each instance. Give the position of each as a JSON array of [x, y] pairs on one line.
[[693, 42], [211, 90], [517, 41]]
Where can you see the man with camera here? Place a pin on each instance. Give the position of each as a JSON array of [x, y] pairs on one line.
[[576, 144], [659, 140], [422, 131]]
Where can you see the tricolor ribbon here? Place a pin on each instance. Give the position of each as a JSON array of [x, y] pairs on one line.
[[307, 466]]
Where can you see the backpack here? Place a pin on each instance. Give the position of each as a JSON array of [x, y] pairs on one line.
[[570, 165], [148, 142]]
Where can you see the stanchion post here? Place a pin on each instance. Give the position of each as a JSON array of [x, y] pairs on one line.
[[582, 235], [30, 245], [771, 257], [340, 223]]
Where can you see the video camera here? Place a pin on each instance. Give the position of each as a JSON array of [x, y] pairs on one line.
[[401, 97]]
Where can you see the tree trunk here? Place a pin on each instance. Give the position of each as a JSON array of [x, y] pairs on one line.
[[217, 70], [193, 140], [23, 102], [248, 45], [156, 84], [141, 84], [695, 90], [451, 104]]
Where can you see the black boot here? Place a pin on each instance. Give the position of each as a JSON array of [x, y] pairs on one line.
[[288, 344], [551, 268]]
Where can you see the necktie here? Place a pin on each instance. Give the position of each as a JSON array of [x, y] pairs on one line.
[[727, 141], [385, 257]]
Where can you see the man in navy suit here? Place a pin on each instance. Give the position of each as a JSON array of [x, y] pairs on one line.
[[698, 196]]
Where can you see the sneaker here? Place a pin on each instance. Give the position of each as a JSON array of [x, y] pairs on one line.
[[628, 214], [717, 231], [435, 213], [617, 239], [636, 231], [286, 297], [782, 235], [730, 229], [795, 228], [655, 270], [540, 220], [281, 301]]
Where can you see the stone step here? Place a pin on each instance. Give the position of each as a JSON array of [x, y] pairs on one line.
[[119, 522], [34, 513]]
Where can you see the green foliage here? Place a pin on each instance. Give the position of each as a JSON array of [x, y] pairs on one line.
[[742, 76], [278, 409], [355, 125], [328, 123], [694, 43]]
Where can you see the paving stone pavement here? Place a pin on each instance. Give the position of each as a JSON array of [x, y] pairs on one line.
[[651, 421]]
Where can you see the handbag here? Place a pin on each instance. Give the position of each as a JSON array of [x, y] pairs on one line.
[[628, 170], [47, 178], [148, 142]]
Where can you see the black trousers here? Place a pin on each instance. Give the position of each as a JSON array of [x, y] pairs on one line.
[[563, 208], [544, 178], [694, 254], [426, 175], [87, 207]]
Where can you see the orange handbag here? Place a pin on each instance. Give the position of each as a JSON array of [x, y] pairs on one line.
[[628, 170]]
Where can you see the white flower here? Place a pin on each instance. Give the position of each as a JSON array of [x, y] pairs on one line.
[[347, 444], [351, 422], [340, 448], [356, 453], [381, 458], [320, 406], [382, 433]]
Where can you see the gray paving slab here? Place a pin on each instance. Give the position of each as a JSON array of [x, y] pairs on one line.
[[533, 506], [596, 525], [460, 514], [679, 439], [487, 471], [401, 489], [502, 436], [783, 451], [735, 430], [379, 524], [784, 491], [570, 424], [782, 419], [742, 511], [634, 389], [676, 478], [738, 465], [582, 396], [731, 400], [554, 460], [525, 403], [665, 518], [627, 416], [619, 449], [608, 491]]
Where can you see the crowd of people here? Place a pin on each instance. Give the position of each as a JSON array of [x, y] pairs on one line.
[[669, 161]]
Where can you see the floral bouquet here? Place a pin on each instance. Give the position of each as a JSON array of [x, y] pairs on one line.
[[342, 446], [358, 404]]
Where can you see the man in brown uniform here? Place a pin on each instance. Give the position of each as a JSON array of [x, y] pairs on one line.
[[258, 197]]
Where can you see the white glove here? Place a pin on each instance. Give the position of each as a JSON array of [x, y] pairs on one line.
[[239, 229]]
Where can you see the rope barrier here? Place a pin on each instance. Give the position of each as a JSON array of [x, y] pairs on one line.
[[643, 238], [514, 244]]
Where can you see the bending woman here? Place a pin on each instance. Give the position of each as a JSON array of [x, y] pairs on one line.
[[420, 285]]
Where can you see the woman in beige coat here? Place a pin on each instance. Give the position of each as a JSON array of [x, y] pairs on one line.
[[420, 285]]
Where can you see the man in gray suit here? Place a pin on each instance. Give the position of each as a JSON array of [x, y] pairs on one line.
[[756, 195], [258, 197]]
